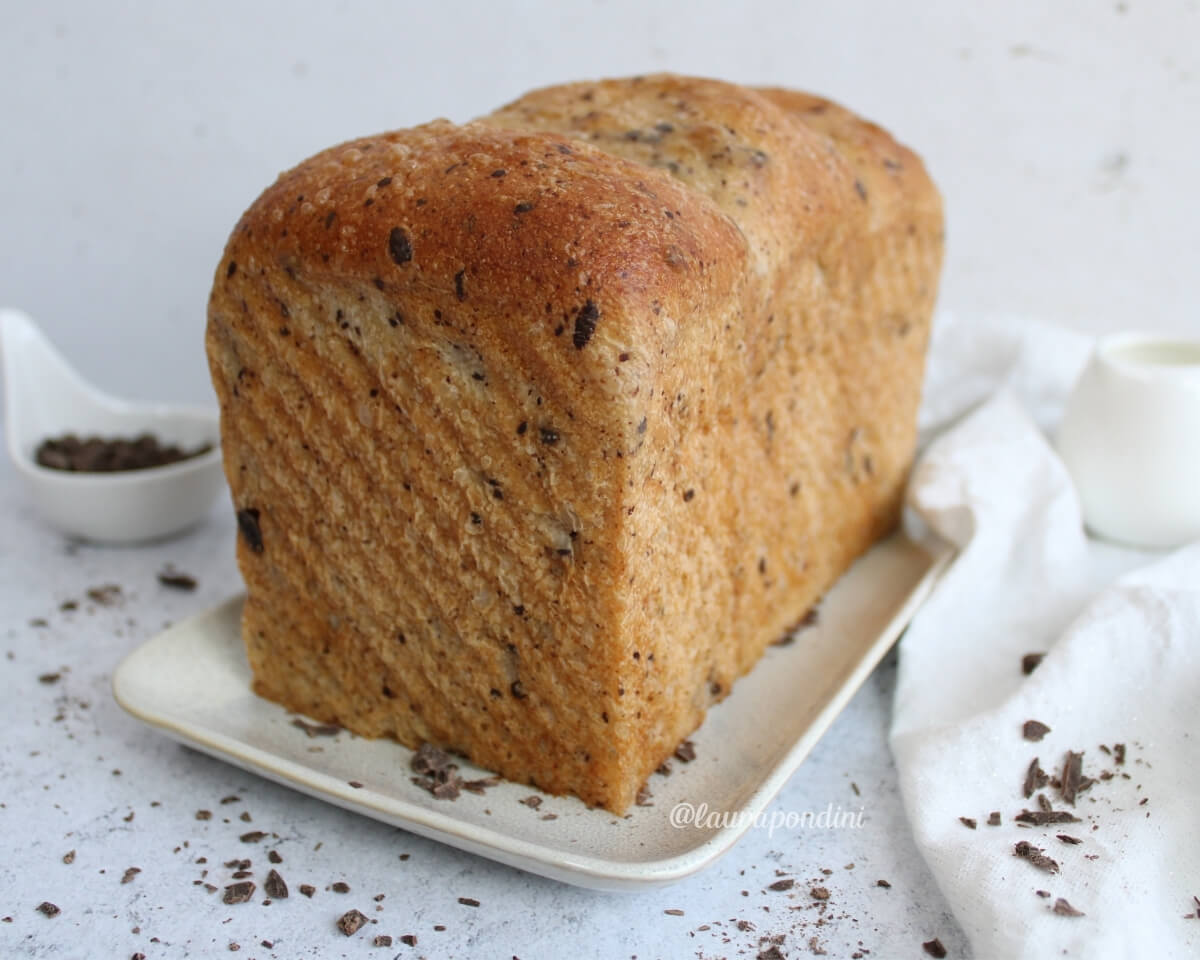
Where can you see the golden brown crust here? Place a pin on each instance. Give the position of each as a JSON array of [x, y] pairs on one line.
[[551, 422]]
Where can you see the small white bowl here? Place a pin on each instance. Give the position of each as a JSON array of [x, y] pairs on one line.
[[1130, 438], [45, 398]]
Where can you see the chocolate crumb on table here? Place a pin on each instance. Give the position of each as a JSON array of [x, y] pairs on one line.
[[1030, 662], [780, 885], [819, 893], [254, 836], [307, 889], [1071, 776], [884, 884], [1067, 838], [351, 922], [176, 580], [934, 948], [468, 901], [967, 822], [1034, 730], [533, 802], [275, 887], [130, 874], [239, 892], [69, 857], [685, 752], [409, 939], [673, 912], [383, 940], [274, 857], [1035, 778], [1027, 851], [48, 909], [643, 797], [1064, 909], [993, 819], [1039, 818], [317, 729], [340, 887]]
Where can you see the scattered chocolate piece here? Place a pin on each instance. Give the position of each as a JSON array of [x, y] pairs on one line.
[[356, 784], [274, 856], [237, 864], [130, 874], [1067, 838], [1034, 730], [533, 802], [340, 887], [884, 884], [351, 922], [815, 948], [383, 940], [643, 797], [1027, 851], [105, 595], [49, 678], [549, 816], [685, 752], [170, 577], [232, 798], [1039, 818], [100, 455], [993, 819], [242, 874], [1119, 754], [308, 889], [274, 886], [203, 814], [479, 786], [239, 892], [254, 836], [69, 856], [1042, 893], [934, 948], [409, 940], [819, 893], [1030, 662], [468, 901], [245, 817], [48, 909], [317, 729], [1072, 771], [781, 885], [436, 772], [771, 953], [1044, 803], [1035, 778], [1064, 909], [967, 822], [673, 912]]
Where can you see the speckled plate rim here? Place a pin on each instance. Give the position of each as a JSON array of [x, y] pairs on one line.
[[579, 868]]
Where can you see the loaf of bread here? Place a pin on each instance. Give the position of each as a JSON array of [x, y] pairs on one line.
[[540, 429]]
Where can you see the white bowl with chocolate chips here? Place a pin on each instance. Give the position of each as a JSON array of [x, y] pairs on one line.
[[97, 467]]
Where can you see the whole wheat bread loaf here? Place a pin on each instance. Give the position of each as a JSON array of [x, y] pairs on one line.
[[540, 429]]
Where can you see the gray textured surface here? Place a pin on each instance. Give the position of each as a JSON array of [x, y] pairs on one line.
[[59, 792]]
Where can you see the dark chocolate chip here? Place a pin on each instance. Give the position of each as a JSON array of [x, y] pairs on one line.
[[247, 519], [585, 324], [351, 922], [399, 246], [1034, 730], [239, 892]]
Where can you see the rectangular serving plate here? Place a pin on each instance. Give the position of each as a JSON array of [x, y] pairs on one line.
[[193, 682]]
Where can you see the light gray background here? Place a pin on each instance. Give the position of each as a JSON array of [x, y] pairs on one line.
[[1065, 137]]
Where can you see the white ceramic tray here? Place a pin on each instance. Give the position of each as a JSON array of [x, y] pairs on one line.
[[193, 682]]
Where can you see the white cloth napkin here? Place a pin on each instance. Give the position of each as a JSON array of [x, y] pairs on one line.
[[1121, 632]]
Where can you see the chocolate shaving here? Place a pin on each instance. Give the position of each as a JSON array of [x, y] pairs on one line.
[[1072, 772], [383, 940], [130, 874], [1027, 851], [275, 887], [643, 797], [934, 948], [252, 837], [1035, 778], [1067, 838], [307, 889], [819, 893], [1119, 754], [1034, 730], [1030, 662], [170, 577], [883, 883], [48, 909], [351, 922], [780, 885], [533, 802], [468, 901], [967, 822], [1064, 909], [437, 773], [239, 892], [993, 819], [1040, 818], [685, 752]]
